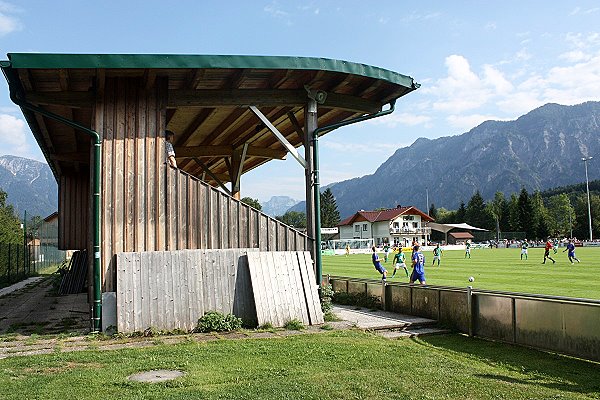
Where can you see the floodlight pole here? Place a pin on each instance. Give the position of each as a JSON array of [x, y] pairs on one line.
[[587, 186]]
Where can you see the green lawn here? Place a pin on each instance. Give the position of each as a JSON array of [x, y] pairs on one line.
[[337, 365], [496, 269]]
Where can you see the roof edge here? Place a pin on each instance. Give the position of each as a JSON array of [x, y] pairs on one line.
[[174, 61]]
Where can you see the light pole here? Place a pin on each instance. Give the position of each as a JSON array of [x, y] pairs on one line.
[[587, 185]]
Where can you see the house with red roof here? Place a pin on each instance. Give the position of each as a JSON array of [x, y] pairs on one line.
[[396, 226]]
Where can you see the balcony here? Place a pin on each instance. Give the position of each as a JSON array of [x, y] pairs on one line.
[[410, 231]]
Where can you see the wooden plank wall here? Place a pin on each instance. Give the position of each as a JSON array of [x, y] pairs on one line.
[[73, 211], [131, 119], [170, 290], [283, 283], [200, 216], [148, 206]]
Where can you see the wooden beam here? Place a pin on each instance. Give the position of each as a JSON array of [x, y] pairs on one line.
[[227, 151], [265, 98], [234, 97], [214, 176], [71, 99], [74, 157], [296, 125]]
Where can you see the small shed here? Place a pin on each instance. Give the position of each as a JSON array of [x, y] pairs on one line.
[[458, 237]]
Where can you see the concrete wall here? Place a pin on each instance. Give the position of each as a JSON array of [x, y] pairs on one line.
[[565, 325]]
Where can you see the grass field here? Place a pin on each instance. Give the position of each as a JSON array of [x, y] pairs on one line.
[[336, 365], [495, 269]]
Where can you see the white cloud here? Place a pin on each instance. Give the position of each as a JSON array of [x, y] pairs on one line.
[[461, 90], [277, 12], [574, 56], [8, 22], [575, 11], [494, 78], [366, 147], [393, 120], [467, 122], [491, 26], [13, 137]]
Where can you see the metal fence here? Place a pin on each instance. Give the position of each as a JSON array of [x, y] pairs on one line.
[[17, 262], [562, 324]]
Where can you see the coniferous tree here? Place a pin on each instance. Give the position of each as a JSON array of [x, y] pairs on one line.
[[513, 213], [525, 215], [330, 215], [460, 213], [475, 211], [433, 211]]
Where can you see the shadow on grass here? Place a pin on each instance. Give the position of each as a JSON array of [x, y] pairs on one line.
[[540, 368]]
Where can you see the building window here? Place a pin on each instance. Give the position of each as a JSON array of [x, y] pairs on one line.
[[356, 228], [396, 225], [415, 225], [364, 227]]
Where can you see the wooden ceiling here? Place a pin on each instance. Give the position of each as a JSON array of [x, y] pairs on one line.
[[207, 106]]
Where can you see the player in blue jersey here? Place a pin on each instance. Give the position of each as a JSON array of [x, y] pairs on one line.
[[571, 253], [418, 264], [377, 264]]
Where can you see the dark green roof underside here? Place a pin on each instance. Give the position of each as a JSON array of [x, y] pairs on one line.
[[171, 61]]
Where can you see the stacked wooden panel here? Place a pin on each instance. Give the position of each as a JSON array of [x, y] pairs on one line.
[[170, 290], [284, 288]]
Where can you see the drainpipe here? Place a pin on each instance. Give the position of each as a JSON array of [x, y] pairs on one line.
[[97, 141], [317, 189]]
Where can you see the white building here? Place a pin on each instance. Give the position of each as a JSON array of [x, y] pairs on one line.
[[400, 226]]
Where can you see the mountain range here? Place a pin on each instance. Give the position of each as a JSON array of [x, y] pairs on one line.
[[538, 151], [30, 186], [278, 205]]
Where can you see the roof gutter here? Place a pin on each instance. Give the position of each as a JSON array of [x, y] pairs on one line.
[[12, 80], [317, 189]]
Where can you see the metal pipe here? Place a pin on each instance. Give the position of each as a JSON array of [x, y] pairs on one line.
[[97, 142], [587, 186], [316, 183]]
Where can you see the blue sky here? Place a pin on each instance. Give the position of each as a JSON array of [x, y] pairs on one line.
[[475, 60]]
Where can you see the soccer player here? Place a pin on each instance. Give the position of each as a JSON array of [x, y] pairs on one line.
[[418, 264], [377, 264], [571, 253], [547, 252], [555, 245], [399, 261], [437, 254], [386, 251], [468, 249], [524, 247]]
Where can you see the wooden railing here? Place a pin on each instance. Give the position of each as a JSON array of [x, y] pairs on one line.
[[199, 216]]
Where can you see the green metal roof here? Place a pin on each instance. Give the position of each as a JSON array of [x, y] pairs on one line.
[[174, 61]]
